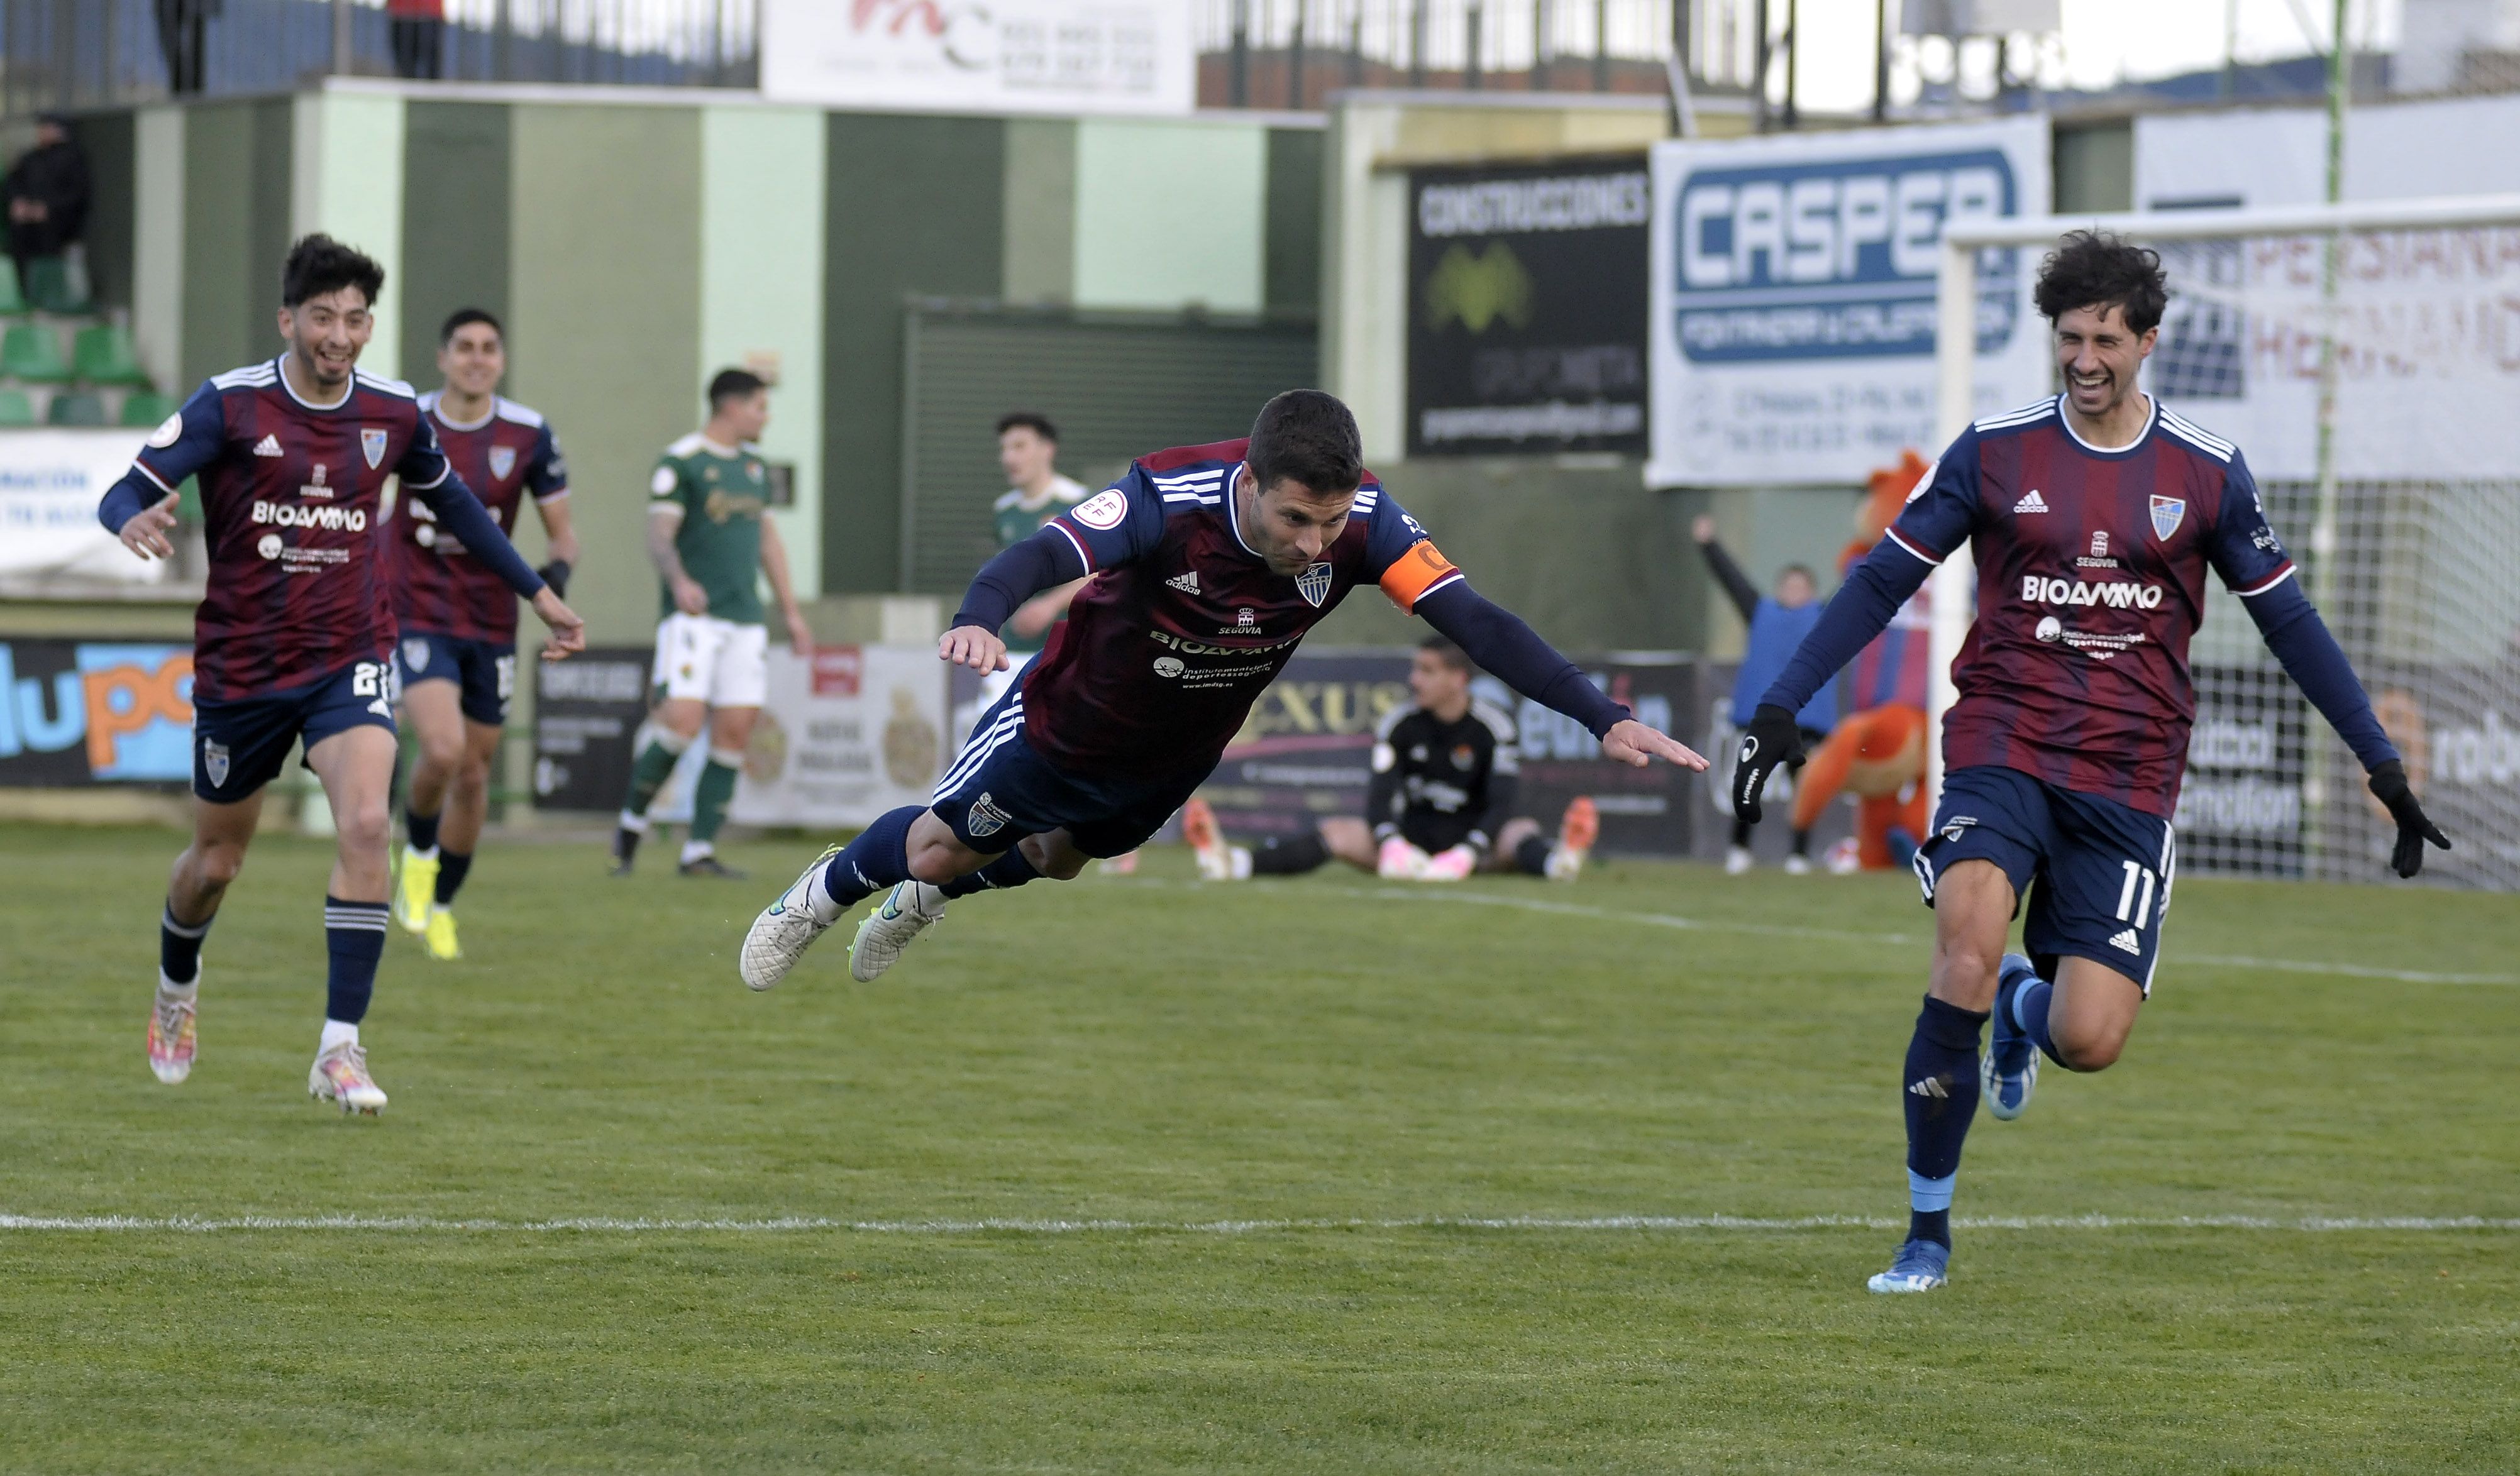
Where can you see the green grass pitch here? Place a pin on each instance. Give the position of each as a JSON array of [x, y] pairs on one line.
[[1317, 1176]]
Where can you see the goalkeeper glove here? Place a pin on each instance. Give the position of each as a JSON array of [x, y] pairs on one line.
[[1772, 738], [1399, 860], [1453, 865], [2389, 786], [555, 574]]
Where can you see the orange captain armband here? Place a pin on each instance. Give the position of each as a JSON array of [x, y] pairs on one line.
[[1415, 572]]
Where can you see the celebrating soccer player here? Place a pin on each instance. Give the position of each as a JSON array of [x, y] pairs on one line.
[[458, 657], [710, 540], [2094, 516], [292, 639], [1207, 564], [1446, 771]]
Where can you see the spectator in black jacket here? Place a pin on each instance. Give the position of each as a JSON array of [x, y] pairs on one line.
[[47, 191]]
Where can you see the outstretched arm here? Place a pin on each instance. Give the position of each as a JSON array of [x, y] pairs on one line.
[[1021, 571], [1737, 585], [1498, 642]]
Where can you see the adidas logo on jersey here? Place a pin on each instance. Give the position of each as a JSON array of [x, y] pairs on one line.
[[269, 445], [2031, 502], [1187, 583], [2128, 941]]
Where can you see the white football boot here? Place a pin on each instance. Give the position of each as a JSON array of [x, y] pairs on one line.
[[787, 927], [340, 1076], [170, 1029], [906, 912]]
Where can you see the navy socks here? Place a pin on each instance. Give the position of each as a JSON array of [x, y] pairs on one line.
[[1009, 870], [420, 830], [1939, 1090], [877, 859], [354, 934], [452, 868], [179, 946]]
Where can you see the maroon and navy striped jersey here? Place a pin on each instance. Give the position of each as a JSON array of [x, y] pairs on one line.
[[297, 585], [438, 587], [2090, 569], [1182, 625]]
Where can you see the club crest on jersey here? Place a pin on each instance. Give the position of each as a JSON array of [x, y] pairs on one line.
[[372, 445], [986, 819], [2166, 513], [1314, 584], [415, 654], [215, 761], [503, 460]]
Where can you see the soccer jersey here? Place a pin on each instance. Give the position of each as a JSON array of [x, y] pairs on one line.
[[1442, 783], [1182, 624], [438, 587], [2090, 580], [1015, 523], [1894, 668], [298, 578], [722, 493]]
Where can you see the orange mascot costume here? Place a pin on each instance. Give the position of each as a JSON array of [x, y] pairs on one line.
[[1877, 751]]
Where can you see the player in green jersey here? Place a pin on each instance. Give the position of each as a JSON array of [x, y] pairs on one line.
[[709, 539], [1027, 452]]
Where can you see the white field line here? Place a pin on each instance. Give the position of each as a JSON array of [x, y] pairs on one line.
[[1698, 925], [806, 1223]]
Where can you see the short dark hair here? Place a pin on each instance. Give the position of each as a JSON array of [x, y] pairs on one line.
[[1448, 653], [733, 384], [1028, 420], [319, 264], [1308, 437], [465, 317], [1803, 569], [2101, 270]]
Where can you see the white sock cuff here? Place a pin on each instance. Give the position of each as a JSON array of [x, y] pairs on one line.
[[168, 986], [417, 854], [636, 825], [671, 741], [694, 850], [337, 1033], [200, 929], [731, 759]]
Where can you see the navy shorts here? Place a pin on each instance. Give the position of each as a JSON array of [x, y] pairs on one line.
[[2094, 873], [237, 747], [485, 670], [1000, 790]]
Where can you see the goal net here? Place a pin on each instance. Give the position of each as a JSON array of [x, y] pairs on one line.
[[2366, 360]]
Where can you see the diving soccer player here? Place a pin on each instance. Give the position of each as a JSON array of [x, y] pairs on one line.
[[1445, 773], [2094, 516], [1207, 564], [457, 660], [295, 635], [709, 539]]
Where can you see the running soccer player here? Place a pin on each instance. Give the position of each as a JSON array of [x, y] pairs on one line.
[[709, 539], [1446, 771], [1207, 564], [294, 638], [2094, 516], [457, 660]]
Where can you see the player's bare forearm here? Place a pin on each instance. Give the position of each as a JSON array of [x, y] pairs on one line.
[[568, 631], [144, 532], [560, 532], [774, 567], [974, 646], [688, 597]]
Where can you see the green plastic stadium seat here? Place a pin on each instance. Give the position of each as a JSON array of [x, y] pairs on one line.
[[13, 303], [104, 355], [146, 408], [48, 287], [32, 351], [16, 410], [77, 407]]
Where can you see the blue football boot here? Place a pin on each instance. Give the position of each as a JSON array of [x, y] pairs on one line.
[[2009, 1070], [1921, 1266]]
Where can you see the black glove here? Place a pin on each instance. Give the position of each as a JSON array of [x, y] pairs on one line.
[[555, 574], [1772, 738], [2389, 786]]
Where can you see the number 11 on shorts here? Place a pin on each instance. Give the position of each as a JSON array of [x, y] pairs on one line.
[[2131, 909]]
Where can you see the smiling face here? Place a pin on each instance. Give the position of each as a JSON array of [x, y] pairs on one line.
[[327, 332], [472, 360], [2098, 356], [1287, 523]]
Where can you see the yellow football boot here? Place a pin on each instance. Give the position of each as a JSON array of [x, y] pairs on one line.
[[441, 933], [417, 891]]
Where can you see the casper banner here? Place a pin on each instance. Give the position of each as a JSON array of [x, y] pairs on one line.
[[980, 55], [50, 484], [1792, 290], [844, 736]]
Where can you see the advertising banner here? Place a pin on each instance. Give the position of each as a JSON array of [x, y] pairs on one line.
[[1307, 750], [1792, 281], [1527, 308], [587, 712], [1721, 742], [87, 712], [844, 736], [50, 484], [1067, 56]]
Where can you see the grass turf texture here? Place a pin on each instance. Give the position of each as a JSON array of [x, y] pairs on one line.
[[1165, 1054]]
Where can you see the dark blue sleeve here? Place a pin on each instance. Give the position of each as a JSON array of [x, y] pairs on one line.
[[2242, 549], [1860, 610], [2316, 664], [182, 444], [1500, 643], [461, 514], [1117, 525], [1021, 570], [547, 476]]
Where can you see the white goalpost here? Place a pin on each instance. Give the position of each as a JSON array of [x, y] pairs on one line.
[[2366, 360]]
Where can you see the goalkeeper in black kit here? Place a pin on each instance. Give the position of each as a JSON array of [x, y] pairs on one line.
[[1447, 775]]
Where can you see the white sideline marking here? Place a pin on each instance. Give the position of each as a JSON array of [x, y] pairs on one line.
[[795, 1223], [1674, 920]]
